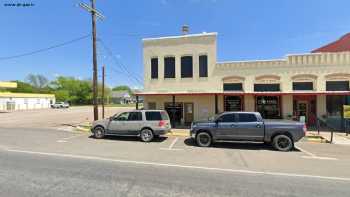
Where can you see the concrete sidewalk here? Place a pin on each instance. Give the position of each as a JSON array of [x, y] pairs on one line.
[[338, 138], [179, 132]]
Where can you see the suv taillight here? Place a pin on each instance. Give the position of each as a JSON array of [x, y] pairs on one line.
[[304, 129], [162, 123]]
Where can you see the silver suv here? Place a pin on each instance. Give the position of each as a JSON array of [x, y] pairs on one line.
[[146, 124]]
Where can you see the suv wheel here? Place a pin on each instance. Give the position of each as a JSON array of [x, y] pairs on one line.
[[203, 139], [146, 135], [99, 132], [282, 143]]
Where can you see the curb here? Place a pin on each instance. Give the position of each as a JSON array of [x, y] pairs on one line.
[[82, 129], [178, 134], [316, 139]]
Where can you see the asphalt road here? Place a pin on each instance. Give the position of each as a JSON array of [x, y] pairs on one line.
[[23, 174]]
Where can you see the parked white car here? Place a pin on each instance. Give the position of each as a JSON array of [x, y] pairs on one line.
[[60, 105]]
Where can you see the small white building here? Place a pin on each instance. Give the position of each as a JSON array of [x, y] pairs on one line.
[[25, 101]]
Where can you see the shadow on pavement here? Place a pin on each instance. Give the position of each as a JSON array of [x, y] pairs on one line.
[[130, 138], [238, 145]]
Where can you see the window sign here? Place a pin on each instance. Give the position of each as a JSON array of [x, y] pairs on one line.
[[346, 111]]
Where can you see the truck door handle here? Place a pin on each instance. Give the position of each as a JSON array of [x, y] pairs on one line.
[[258, 126], [233, 125]]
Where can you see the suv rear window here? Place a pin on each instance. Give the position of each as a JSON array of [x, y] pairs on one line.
[[156, 115]]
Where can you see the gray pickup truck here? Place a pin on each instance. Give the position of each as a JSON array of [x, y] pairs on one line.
[[247, 126]]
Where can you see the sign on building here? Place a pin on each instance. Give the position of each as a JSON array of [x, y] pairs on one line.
[[347, 111]]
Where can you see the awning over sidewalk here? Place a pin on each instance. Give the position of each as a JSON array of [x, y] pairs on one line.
[[303, 93]]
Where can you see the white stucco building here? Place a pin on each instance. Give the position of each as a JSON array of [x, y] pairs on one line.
[[183, 76], [23, 101]]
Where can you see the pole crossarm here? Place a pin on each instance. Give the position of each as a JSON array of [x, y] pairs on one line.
[[92, 10]]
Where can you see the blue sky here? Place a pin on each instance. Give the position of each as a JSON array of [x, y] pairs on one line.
[[247, 29]]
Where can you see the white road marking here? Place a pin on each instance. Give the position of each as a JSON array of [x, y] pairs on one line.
[[171, 149], [61, 141], [313, 156], [68, 138], [306, 152], [172, 145], [321, 158], [183, 166]]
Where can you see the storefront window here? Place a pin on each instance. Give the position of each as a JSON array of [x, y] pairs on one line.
[[268, 106], [233, 103], [337, 85], [334, 105]]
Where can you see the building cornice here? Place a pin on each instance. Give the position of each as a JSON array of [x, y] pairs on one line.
[[180, 37]]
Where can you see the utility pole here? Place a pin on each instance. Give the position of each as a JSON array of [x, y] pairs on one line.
[[103, 91], [94, 13]]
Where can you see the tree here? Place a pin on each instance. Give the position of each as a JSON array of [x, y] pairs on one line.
[[123, 88], [108, 92], [37, 81], [62, 95], [73, 90]]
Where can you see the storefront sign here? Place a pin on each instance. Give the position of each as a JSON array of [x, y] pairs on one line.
[[347, 111]]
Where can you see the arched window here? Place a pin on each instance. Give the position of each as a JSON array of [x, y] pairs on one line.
[[233, 83], [304, 82], [267, 83]]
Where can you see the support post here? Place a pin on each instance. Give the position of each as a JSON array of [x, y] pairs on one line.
[[318, 126], [94, 60], [331, 136], [216, 104], [103, 91], [137, 102], [173, 110]]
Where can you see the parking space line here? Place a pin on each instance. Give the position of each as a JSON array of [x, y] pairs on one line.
[[313, 156], [172, 145], [305, 151]]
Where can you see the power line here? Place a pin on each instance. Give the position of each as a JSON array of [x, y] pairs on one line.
[[44, 49], [120, 65]]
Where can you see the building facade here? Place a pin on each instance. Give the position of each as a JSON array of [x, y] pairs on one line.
[[182, 76], [25, 101]]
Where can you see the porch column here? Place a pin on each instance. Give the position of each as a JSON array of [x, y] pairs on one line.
[[173, 111], [216, 104], [137, 102]]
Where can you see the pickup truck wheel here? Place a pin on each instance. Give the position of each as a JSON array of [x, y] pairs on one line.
[[146, 135], [203, 139], [99, 132], [282, 143]]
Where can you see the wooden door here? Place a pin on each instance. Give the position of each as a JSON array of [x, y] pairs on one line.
[[188, 111]]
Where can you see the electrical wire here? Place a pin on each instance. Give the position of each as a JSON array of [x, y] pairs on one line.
[[44, 49], [110, 53]]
